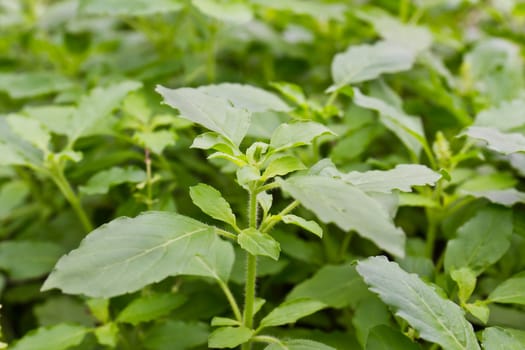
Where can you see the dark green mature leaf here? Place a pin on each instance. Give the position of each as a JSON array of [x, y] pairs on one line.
[[496, 140], [214, 113], [481, 241], [333, 200], [436, 319], [229, 337], [150, 307], [28, 259], [299, 344], [297, 134], [383, 337], [409, 129], [246, 97], [211, 202], [102, 181], [335, 286], [129, 7], [25, 85], [511, 291], [186, 334], [495, 338], [290, 311], [59, 337], [366, 62], [258, 243], [134, 252]]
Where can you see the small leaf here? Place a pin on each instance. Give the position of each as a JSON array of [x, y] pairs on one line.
[[101, 182], [506, 143], [333, 200], [223, 321], [436, 319], [229, 337], [383, 337], [466, 280], [297, 134], [149, 308], [290, 312], [59, 337], [477, 245], [214, 113], [129, 7], [107, 334], [155, 141], [507, 197], [495, 338], [30, 130], [511, 291], [479, 310], [134, 252], [308, 225], [282, 166], [12, 195], [258, 243], [367, 62], [299, 344], [233, 12], [211, 202], [291, 91]]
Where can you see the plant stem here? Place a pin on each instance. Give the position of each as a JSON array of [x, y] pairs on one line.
[[147, 160], [231, 299], [403, 10], [60, 180], [267, 226], [251, 270]]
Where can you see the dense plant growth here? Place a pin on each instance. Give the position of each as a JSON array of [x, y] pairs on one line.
[[262, 174]]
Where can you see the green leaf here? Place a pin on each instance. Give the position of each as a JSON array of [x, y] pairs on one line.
[[100, 102], [59, 337], [367, 62], [478, 309], [211, 202], [129, 7], [291, 91], [336, 286], [214, 113], [383, 337], [507, 197], [511, 291], [186, 334], [495, 338], [299, 344], [466, 281], [409, 129], [282, 166], [477, 245], [134, 252], [224, 321], [319, 10], [234, 12], [28, 259], [505, 116], [62, 309], [333, 200], [368, 314], [26, 85], [12, 195], [297, 134], [258, 243], [247, 97], [308, 225], [290, 311], [496, 140], [107, 334], [229, 337], [155, 141], [101, 182], [416, 200], [15, 150], [30, 130], [436, 319], [150, 307]]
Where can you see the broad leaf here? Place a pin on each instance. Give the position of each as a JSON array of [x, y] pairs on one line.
[[59, 337], [214, 113], [28, 259], [229, 337], [367, 62], [408, 129], [495, 338], [246, 97], [282, 166], [335, 286], [436, 319], [211, 202], [481, 241], [150, 307], [309, 225], [333, 200], [134, 252], [129, 7], [511, 291], [258, 243], [297, 134], [101, 182], [505, 116], [25, 85], [383, 337], [155, 141], [496, 140], [291, 311], [30, 130], [299, 344], [234, 12]]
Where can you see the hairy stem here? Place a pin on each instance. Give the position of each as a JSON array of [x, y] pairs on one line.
[[231, 299]]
